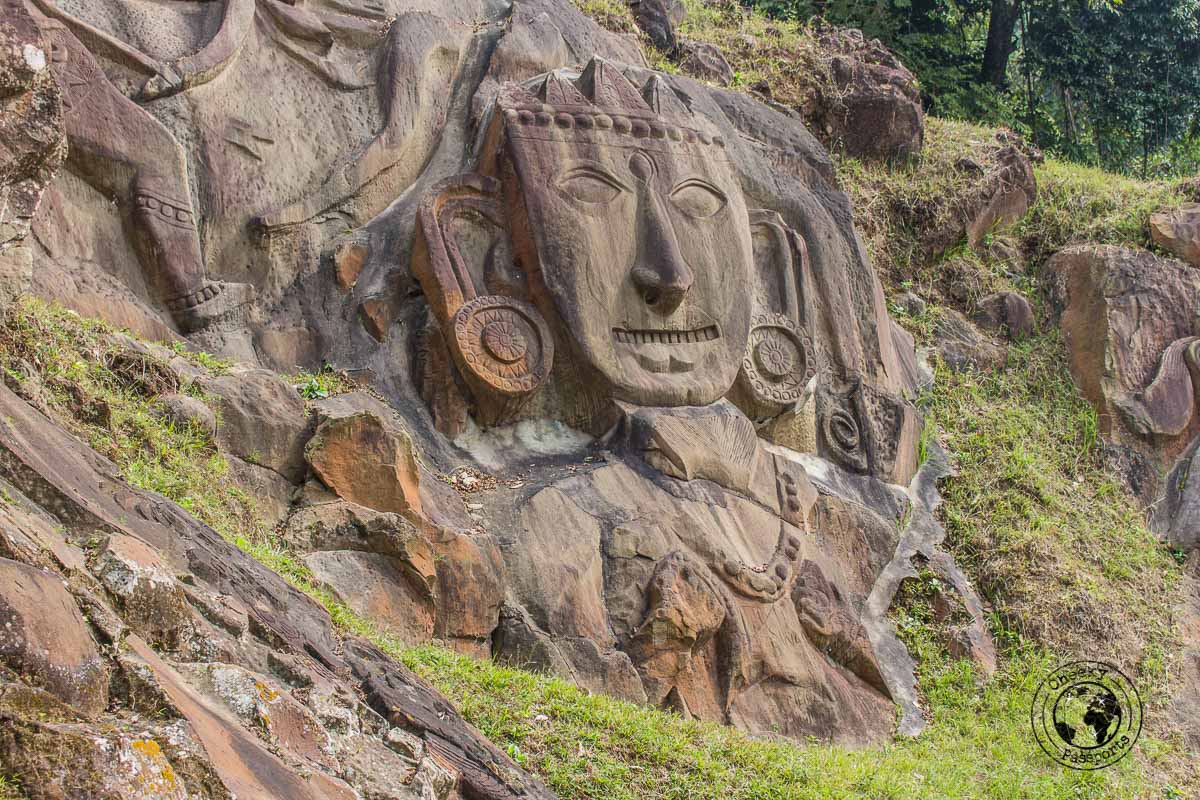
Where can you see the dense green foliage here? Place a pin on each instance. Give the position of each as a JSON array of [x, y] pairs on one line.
[[1109, 82]]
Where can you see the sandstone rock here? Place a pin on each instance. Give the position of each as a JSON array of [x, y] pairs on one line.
[[1177, 231], [913, 304], [246, 768], [262, 420], [1003, 197], [705, 61], [1008, 313], [186, 410], [963, 347], [470, 591], [33, 540], [513, 289], [378, 588], [990, 204], [367, 461], [32, 142], [659, 20], [1128, 321], [281, 627], [348, 260], [1176, 517], [266, 706], [44, 637], [151, 599], [271, 492], [339, 525], [873, 107], [58, 759]]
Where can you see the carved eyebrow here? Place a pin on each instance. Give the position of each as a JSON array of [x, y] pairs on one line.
[[592, 169], [700, 183]]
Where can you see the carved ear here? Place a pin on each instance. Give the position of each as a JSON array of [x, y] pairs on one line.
[[780, 359], [500, 344]]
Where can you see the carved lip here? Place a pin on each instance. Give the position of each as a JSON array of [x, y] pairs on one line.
[[706, 334]]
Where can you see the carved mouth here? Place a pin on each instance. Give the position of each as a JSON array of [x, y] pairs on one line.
[[705, 334]]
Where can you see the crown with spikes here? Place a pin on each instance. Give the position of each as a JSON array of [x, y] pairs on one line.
[[599, 103]]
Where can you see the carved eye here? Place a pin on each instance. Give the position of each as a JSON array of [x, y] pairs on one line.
[[697, 198], [590, 186]]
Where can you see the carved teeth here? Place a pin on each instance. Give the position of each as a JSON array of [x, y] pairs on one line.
[[706, 334]]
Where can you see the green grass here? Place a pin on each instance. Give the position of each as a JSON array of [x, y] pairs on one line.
[[325, 382], [1063, 554], [9, 790], [1084, 204], [586, 746]]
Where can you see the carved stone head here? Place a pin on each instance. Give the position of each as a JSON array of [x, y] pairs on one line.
[[637, 230], [631, 244]]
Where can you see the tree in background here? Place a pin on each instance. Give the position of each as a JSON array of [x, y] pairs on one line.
[[1109, 82]]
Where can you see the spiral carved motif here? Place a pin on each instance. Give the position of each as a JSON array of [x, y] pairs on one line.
[[779, 360], [504, 343]]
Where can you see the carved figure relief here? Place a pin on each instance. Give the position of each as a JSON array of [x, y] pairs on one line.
[[603, 253], [124, 152]]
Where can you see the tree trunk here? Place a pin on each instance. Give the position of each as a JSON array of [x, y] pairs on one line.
[[1002, 23], [1069, 130]]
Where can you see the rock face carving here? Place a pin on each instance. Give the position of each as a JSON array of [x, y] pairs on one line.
[[428, 201], [601, 265], [1129, 321], [610, 221], [125, 153]]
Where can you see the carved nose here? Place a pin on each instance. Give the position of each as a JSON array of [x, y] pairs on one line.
[[661, 276]]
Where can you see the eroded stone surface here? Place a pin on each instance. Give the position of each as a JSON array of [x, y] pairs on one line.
[[661, 264], [262, 420], [44, 637], [1177, 230], [264, 701], [1128, 321]]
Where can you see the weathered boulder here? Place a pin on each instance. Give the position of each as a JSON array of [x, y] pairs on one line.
[[1129, 321], [45, 638], [705, 61], [872, 106], [152, 601], [365, 458], [1002, 197], [63, 758], [1177, 230], [995, 198], [262, 420], [1007, 313], [962, 346], [660, 21], [185, 410], [392, 595]]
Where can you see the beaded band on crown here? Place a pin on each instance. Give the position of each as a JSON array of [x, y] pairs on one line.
[[583, 118]]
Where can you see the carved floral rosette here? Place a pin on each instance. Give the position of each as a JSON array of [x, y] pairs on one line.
[[779, 361]]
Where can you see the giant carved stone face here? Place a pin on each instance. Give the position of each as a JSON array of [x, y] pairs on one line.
[[636, 231]]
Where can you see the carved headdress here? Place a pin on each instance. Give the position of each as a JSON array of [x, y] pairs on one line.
[[601, 103]]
